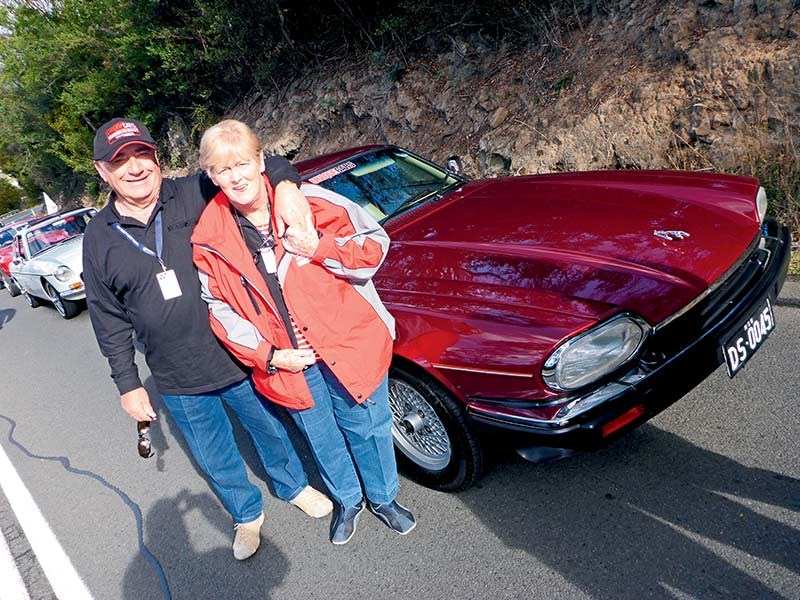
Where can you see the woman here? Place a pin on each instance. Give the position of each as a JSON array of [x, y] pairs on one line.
[[303, 313]]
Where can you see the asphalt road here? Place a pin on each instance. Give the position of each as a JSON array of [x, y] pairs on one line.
[[702, 502]]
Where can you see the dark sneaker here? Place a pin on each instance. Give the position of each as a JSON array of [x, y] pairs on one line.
[[396, 516], [345, 523]]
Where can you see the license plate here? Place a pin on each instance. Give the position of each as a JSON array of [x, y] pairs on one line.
[[749, 338]]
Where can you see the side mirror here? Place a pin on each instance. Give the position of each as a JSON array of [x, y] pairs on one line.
[[454, 165]]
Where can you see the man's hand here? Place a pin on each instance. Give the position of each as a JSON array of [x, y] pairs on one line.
[[303, 242], [291, 208], [292, 360], [137, 404]]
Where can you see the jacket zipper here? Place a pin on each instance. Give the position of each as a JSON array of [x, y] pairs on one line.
[[250, 294], [248, 285]]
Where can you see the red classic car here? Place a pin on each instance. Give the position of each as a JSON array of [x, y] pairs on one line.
[[7, 233], [6, 238], [561, 310]]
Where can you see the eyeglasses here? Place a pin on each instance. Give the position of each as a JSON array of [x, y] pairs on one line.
[[143, 429]]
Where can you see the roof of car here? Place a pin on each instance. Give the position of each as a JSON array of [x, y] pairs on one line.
[[16, 224], [54, 216]]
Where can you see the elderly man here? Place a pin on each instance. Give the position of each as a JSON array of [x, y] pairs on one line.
[[140, 280]]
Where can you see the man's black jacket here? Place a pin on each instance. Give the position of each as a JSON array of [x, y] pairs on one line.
[[124, 296]]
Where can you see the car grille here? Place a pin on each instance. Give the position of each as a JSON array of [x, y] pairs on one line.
[[746, 278]]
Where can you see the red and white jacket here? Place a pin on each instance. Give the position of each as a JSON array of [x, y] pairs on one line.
[[331, 297]]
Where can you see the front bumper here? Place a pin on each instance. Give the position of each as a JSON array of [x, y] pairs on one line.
[[73, 294], [667, 369]]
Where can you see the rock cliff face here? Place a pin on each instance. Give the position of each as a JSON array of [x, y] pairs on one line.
[[709, 84]]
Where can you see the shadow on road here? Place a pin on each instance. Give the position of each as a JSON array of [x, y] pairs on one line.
[[652, 516], [161, 446], [200, 575], [6, 314]]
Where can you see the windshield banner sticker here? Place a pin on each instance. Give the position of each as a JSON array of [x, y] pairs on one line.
[[333, 172]]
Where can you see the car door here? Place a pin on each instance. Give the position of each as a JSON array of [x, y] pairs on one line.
[[17, 266], [25, 269]]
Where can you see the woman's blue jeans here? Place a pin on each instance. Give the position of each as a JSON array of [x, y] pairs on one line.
[[207, 429], [348, 438]]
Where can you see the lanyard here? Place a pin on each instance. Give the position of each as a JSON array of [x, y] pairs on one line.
[[141, 246]]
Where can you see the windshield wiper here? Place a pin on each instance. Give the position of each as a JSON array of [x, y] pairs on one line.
[[414, 185], [415, 200]]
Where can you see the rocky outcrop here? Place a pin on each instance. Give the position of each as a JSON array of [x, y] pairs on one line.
[[652, 85]]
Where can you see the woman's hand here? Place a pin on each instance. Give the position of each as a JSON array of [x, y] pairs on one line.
[[292, 360], [303, 242]]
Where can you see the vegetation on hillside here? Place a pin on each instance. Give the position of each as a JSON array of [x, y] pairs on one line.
[[10, 197], [69, 65]]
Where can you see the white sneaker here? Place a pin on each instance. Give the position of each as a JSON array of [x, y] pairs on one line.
[[313, 502], [247, 538]]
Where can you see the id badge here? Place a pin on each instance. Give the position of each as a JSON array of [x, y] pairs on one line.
[[168, 282], [268, 256]]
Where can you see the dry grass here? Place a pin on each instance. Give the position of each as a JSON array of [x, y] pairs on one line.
[[776, 163], [773, 157], [777, 166]]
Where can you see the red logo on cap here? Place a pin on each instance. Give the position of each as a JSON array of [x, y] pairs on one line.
[[122, 129]]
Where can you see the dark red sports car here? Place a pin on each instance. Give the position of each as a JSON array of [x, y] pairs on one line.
[[561, 309]]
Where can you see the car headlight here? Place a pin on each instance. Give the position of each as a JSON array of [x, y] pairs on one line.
[[594, 353], [761, 204], [64, 273]]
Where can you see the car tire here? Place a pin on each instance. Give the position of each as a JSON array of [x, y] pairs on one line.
[[11, 286], [66, 308], [32, 301], [433, 442]]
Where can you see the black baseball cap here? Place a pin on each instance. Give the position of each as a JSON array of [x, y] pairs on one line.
[[118, 133]]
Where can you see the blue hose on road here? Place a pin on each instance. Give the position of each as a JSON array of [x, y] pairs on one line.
[[137, 512]]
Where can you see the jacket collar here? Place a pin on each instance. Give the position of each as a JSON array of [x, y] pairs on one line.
[[217, 231], [166, 194]]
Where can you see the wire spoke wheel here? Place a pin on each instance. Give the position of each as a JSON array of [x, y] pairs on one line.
[[435, 445], [416, 428]]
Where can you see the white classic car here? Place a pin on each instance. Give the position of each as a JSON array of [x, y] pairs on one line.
[[47, 260]]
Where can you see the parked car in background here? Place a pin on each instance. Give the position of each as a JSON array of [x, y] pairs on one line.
[[7, 233], [558, 310], [6, 240], [47, 260]]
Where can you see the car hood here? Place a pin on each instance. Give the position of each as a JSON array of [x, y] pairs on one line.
[[581, 244], [68, 253]]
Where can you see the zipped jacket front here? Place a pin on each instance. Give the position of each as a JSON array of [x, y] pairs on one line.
[[330, 296]]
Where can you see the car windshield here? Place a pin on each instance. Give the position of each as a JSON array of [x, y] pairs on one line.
[[57, 232], [386, 182], [6, 237]]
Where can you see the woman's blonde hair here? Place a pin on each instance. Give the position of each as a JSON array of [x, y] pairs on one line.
[[225, 139]]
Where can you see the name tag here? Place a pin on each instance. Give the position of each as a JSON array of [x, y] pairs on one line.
[[268, 256], [168, 282]]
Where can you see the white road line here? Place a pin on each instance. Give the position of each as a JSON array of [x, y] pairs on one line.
[[57, 567], [13, 586]]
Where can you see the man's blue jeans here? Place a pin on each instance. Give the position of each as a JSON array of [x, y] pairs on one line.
[[207, 429], [346, 436]]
